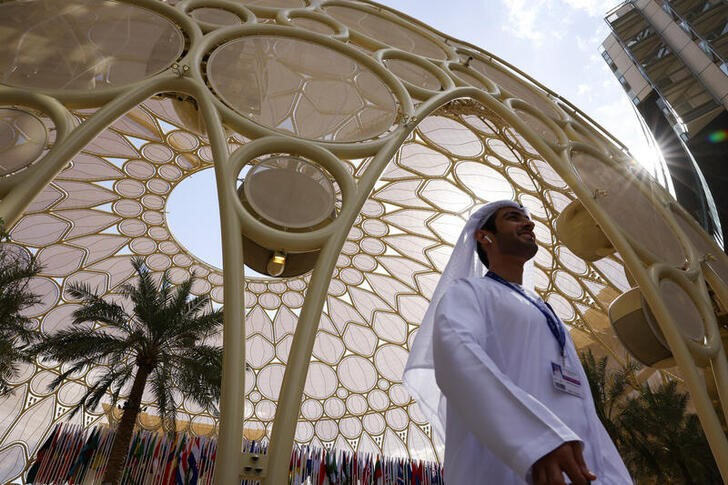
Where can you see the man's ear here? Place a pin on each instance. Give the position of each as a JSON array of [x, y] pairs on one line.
[[482, 236]]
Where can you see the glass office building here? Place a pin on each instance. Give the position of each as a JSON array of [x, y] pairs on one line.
[[671, 57]]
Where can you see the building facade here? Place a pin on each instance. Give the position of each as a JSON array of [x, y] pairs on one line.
[[671, 57]]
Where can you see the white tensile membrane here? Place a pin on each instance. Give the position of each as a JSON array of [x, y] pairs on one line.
[[110, 203]]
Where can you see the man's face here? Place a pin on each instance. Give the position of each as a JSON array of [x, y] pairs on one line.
[[514, 233]]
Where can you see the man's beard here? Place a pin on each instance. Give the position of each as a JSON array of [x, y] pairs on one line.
[[517, 246]]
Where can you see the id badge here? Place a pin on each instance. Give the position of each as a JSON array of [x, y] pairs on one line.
[[566, 380]]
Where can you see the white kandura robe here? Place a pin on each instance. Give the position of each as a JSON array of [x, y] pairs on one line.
[[493, 351]]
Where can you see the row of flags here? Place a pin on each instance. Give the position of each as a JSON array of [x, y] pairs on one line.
[[71, 452], [72, 455], [313, 466], [76, 456]]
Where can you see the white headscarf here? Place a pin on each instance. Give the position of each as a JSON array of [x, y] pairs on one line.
[[419, 373]]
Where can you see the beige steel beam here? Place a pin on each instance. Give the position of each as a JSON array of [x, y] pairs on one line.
[[187, 77]]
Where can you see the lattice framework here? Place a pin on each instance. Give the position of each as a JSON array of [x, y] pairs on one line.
[[414, 128]]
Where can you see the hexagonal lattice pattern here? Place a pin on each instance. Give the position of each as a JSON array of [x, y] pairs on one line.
[[108, 203]]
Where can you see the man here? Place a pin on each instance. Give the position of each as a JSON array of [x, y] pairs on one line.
[[510, 386]]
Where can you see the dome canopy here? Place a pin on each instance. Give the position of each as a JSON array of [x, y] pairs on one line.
[[405, 129]]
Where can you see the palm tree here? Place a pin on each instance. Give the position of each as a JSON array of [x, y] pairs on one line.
[[660, 442], [16, 332], [163, 342], [608, 388], [665, 439]]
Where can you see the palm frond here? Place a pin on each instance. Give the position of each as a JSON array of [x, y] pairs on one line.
[[204, 362], [82, 291], [161, 385], [13, 323], [178, 303], [198, 374], [60, 378], [115, 379], [80, 343], [197, 305], [16, 330], [93, 395], [144, 293], [202, 326], [102, 311], [21, 330], [14, 268], [165, 288], [10, 357]]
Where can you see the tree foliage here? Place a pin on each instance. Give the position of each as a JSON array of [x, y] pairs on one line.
[[162, 343], [659, 440], [16, 330]]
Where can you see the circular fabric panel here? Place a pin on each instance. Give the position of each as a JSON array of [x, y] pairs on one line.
[[83, 44], [683, 308], [619, 193], [215, 16], [300, 87], [510, 82], [277, 3], [22, 139], [313, 25], [413, 73], [707, 250], [289, 192], [394, 33]]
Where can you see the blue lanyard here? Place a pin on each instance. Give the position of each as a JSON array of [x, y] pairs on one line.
[[557, 330]]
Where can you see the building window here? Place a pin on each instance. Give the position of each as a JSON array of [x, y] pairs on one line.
[[609, 61]]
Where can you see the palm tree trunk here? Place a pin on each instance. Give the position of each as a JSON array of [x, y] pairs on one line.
[[124, 430]]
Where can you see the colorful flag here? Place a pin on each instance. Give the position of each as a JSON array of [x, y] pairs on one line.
[[75, 473], [42, 454], [192, 458], [181, 470], [378, 473]]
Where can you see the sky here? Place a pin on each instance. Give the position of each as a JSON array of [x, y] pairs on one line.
[[555, 41]]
